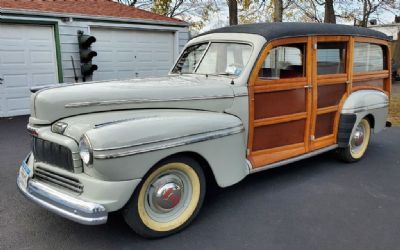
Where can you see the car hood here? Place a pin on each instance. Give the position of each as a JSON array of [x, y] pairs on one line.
[[182, 92]]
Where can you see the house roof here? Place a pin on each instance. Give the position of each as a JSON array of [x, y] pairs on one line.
[[96, 8], [273, 31]]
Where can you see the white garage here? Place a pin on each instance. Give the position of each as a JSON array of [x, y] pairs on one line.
[[39, 45], [27, 59], [124, 53]]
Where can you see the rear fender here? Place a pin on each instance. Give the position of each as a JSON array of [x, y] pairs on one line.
[[360, 104]]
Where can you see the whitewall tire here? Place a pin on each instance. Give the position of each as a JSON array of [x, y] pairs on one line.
[[358, 144], [168, 198]]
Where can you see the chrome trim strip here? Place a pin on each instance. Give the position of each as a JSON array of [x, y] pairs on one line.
[[67, 206], [99, 125], [294, 159], [241, 94], [198, 138], [365, 108], [121, 102], [249, 166], [165, 139]]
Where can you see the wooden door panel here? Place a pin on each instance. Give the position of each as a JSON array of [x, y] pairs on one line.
[[280, 105], [330, 95], [278, 134], [324, 124], [331, 86]]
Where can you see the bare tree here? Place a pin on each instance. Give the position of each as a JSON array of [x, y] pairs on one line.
[[309, 10], [233, 12], [370, 7], [329, 16], [278, 10], [143, 4]]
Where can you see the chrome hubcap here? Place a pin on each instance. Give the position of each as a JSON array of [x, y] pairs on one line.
[[358, 138], [166, 194]]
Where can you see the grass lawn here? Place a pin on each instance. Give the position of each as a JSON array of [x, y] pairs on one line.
[[394, 111]]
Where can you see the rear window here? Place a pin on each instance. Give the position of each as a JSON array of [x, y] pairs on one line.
[[369, 57]]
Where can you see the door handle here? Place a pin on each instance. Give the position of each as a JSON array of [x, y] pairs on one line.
[[1, 80], [308, 87]]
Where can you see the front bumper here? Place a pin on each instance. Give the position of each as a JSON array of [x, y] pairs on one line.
[[69, 207]]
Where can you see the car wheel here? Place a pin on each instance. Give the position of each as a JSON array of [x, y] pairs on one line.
[[168, 198], [359, 142]]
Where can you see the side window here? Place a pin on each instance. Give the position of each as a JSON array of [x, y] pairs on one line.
[[331, 58], [190, 58], [283, 62], [369, 57]]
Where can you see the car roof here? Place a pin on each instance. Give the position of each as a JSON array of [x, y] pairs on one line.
[[271, 31]]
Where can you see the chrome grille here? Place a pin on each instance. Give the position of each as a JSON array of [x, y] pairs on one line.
[[58, 179], [52, 153]]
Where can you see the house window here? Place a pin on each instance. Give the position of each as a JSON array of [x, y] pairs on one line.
[[369, 57], [331, 58], [283, 62]]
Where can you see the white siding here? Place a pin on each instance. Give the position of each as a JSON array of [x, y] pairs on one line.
[[69, 47], [69, 41]]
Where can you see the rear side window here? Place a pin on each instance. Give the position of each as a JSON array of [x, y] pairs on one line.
[[331, 58], [369, 57]]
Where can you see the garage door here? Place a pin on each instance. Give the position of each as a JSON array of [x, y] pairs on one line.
[[123, 54], [27, 59]]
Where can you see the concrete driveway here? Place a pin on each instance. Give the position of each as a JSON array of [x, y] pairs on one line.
[[319, 203]]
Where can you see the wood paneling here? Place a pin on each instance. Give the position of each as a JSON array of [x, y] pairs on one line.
[[324, 124], [280, 134], [284, 114], [268, 156], [378, 83], [330, 95], [270, 104]]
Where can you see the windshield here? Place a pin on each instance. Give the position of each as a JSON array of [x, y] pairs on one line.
[[214, 59]]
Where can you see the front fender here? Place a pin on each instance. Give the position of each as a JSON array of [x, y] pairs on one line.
[[127, 149]]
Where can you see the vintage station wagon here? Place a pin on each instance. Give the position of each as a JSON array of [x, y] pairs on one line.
[[239, 100]]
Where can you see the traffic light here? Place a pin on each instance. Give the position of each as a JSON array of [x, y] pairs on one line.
[[86, 54]]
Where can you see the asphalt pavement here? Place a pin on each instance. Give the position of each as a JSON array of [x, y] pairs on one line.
[[318, 203]]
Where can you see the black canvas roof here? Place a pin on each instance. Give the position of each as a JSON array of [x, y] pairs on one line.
[[273, 31]]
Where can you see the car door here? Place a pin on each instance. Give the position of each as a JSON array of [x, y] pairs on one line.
[[280, 94], [331, 80]]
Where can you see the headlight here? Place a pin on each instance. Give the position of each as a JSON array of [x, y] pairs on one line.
[[86, 151]]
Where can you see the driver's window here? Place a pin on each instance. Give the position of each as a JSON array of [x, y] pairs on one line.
[[283, 62]]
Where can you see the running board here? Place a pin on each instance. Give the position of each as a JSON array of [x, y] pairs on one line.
[[291, 160]]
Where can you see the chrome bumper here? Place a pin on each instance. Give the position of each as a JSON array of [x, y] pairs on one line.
[[67, 206]]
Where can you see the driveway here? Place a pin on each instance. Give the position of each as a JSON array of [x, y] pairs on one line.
[[318, 203]]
